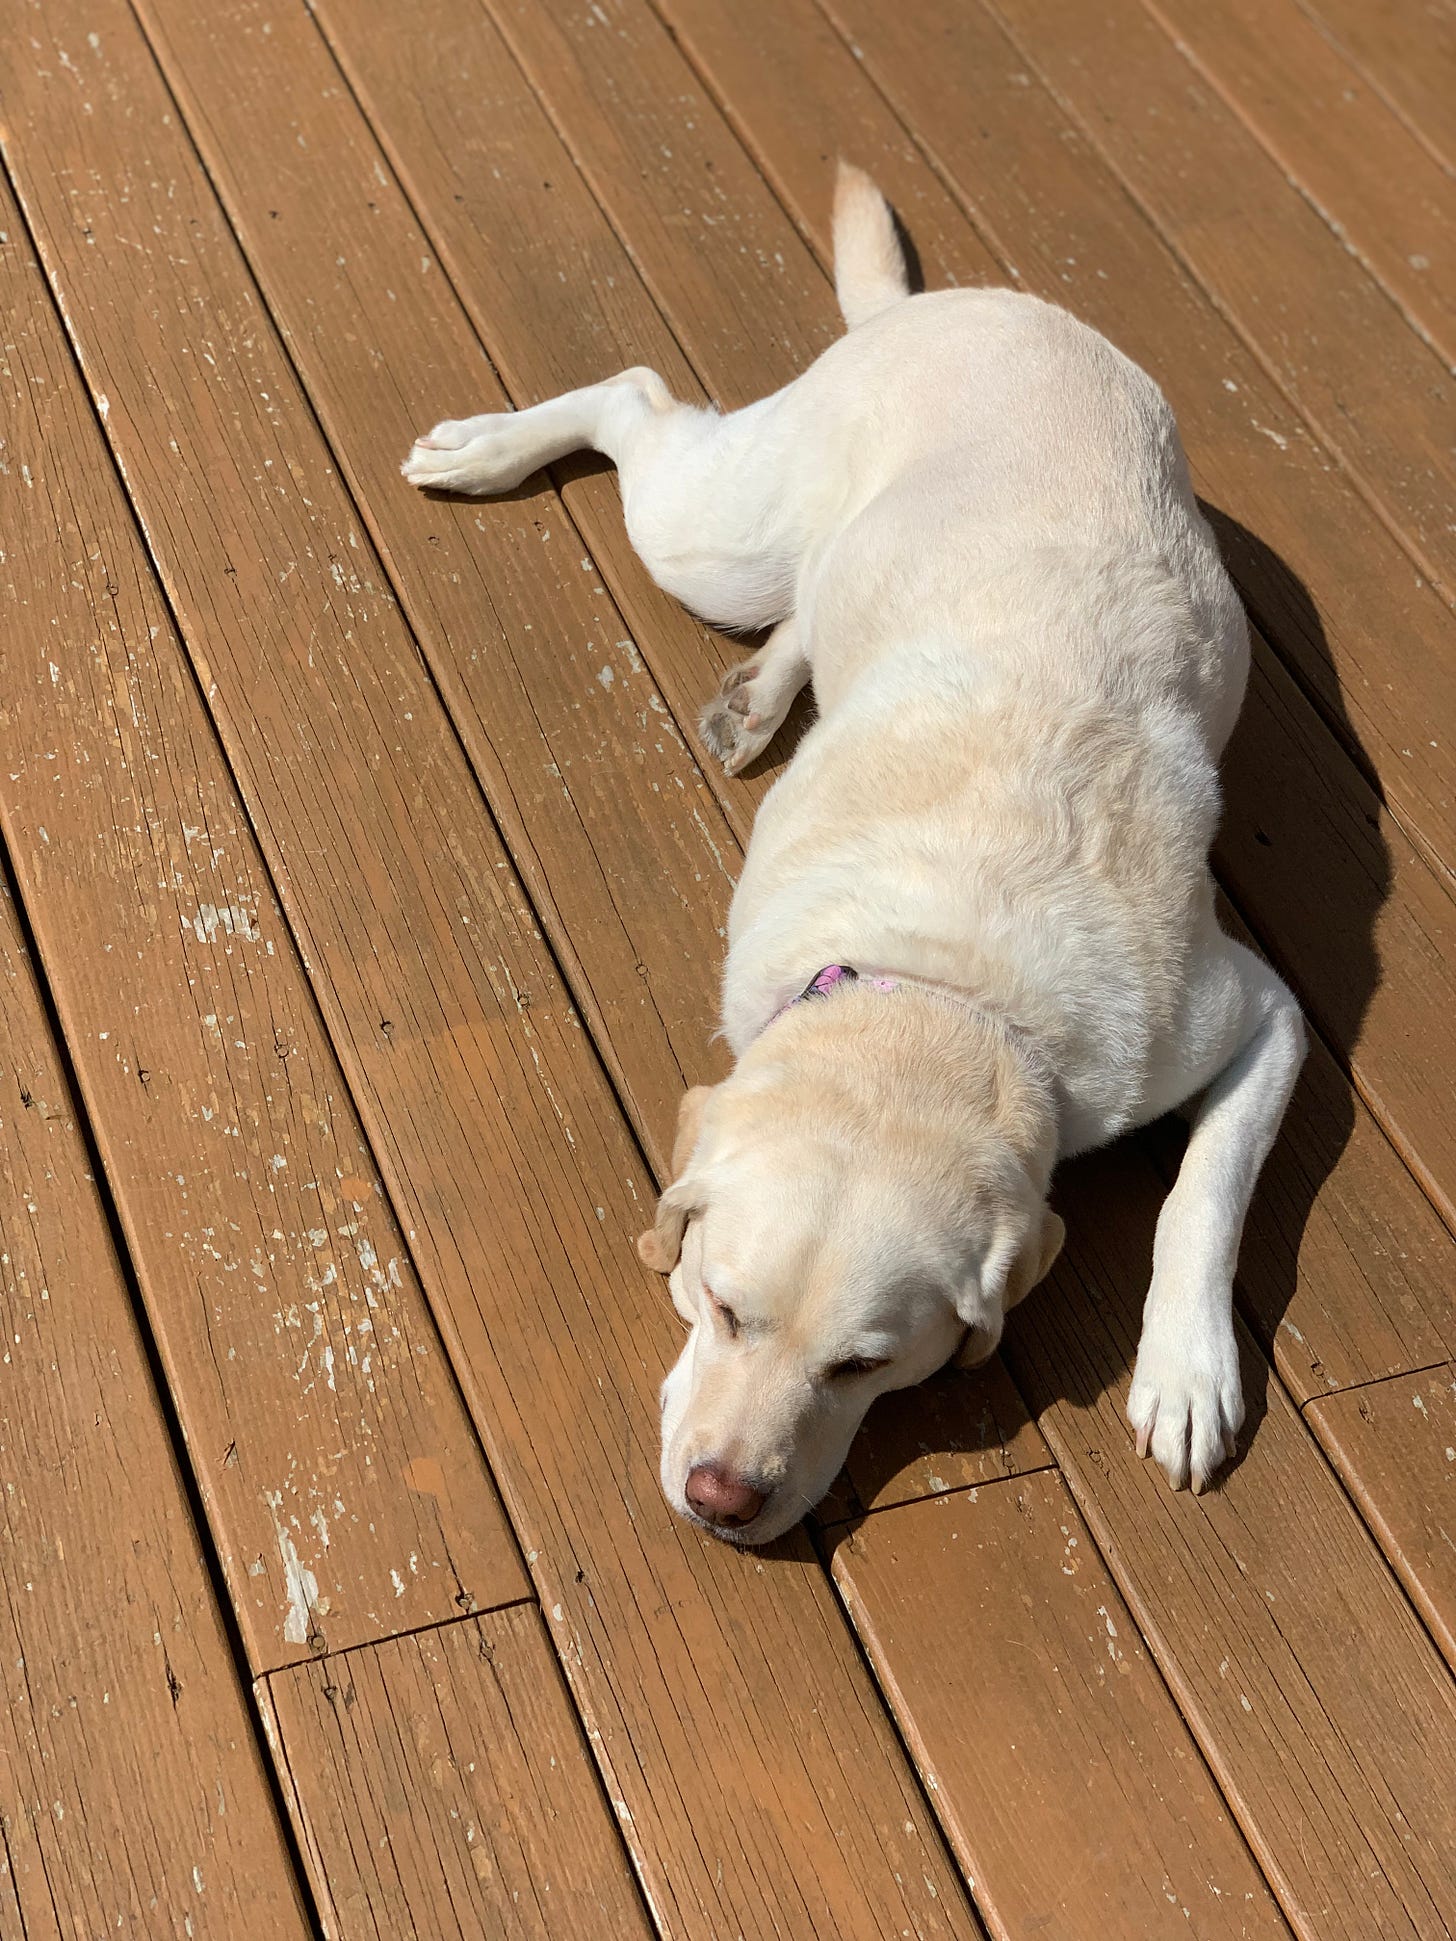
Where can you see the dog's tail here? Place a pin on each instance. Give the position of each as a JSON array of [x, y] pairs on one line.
[[869, 264]]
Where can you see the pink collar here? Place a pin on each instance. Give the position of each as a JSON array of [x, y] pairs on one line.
[[832, 975], [824, 982]]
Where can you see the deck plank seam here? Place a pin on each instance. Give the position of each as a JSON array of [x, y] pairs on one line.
[[530, 1602], [188, 1481], [1252, 344], [857, 1516], [1296, 182], [1376, 1381], [1376, 86]]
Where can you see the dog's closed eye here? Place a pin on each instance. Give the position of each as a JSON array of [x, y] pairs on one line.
[[724, 1314], [843, 1371]]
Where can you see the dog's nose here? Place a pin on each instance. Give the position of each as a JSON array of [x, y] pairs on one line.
[[718, 1496]]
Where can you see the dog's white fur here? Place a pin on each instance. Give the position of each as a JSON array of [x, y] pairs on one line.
[[971, 523]]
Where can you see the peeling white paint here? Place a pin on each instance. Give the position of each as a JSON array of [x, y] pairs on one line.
[[299, 1581]]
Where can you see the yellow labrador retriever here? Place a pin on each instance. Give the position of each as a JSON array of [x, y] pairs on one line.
[[975, 928]]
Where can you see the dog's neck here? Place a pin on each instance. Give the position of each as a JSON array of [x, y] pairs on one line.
[[923, 1028], [826, 982]]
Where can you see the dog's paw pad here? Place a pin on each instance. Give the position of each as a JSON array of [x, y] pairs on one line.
[[731, 724]]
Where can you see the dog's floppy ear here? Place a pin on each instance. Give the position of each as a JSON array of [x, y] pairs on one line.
[[1013, 1267], [661, 1245], [1036, 1259]]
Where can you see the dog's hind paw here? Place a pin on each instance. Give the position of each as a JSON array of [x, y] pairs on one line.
[[740, 722], [475, 456]]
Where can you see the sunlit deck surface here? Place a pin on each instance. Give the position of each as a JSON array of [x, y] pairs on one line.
[[365, 893]]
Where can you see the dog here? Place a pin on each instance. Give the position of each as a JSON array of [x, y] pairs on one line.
[[975, 929]]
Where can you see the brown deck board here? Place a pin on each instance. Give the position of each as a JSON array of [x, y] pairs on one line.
[[439, 1787], [1250, 1596], [1408, 53], [1378, 187], [1073, 1724], [1394, 1444], [132, 1790], [346, 1490], [613, 831], [1341, 352], [498, 1137]]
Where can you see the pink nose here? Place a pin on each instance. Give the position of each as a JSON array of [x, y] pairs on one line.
[[718, 1496]]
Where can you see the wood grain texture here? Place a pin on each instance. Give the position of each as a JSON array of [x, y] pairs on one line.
[[345, 1488], [1342, 354], [605, 815], [439, 1787], [1037, 1713], [1394, 1444], [498, 1136], [1408, 53], [1339, 1763], [1373, 650], [1375, 183], [132, 1792]]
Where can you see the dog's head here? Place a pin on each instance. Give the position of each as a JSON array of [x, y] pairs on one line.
[[844, 1220]]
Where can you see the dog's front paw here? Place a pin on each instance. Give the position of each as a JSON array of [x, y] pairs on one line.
[[473, 455], [1186, 1402], [740, 721]]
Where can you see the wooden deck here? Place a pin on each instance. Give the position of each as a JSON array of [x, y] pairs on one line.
[[363, 907]]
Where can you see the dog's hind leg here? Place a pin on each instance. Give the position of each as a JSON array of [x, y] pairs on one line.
[[496, 451], [700, 501]]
